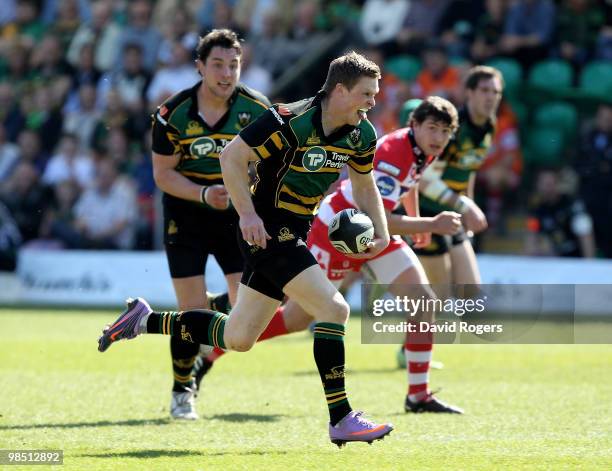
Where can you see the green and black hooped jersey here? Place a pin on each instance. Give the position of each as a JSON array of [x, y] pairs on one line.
[[298, 162], [464, 155], [178, 129]]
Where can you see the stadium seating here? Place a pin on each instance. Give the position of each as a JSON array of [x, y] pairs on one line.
[[551, 73], [404, 67], [549, 79], [558, 115], [512, 72], [521, 111], [596, 80], [545, 146]]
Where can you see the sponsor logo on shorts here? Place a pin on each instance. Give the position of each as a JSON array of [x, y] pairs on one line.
[[285, 235], [172, 228], [186, 336]]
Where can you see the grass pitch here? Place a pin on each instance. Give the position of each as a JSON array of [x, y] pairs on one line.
[[527, 406]]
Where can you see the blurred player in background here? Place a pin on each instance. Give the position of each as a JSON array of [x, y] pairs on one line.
[[400, 159], [190, 130], [300, 149], [558, 224], [448, 185]]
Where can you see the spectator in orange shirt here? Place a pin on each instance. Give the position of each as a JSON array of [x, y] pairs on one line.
[[393, 93], [501, 171], [437, 77]]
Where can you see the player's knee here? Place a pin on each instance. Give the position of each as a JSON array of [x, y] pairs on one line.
[[338, 310], [299, 324], [240, 343], [242, 347]]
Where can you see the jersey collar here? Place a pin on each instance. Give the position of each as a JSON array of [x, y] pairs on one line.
[[464, 114], [317, 122], [420, 158], [194, 113]]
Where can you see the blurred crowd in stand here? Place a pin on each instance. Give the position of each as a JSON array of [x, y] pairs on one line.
[[80, 78]]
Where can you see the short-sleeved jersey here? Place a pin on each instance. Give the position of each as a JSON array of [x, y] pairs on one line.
[[463, 156], [178, 129], [398, 165], [298, 162]]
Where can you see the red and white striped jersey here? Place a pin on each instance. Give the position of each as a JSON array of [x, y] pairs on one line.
[[398, 166]]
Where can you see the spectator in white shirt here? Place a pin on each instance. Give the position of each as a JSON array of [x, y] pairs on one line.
[[69, 164], [9, 155], [177, 75], [105, 213]]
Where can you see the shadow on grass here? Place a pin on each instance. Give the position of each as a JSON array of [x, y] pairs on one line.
[[179, 453], [246, 417], [360, 371], [101, 423], [139, 422]]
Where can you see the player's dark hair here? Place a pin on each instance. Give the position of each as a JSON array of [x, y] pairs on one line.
[[348, 69], [224, 38], [439, 110], [481, 72]]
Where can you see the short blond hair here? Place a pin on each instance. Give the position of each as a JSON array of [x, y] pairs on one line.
[[348, 69]]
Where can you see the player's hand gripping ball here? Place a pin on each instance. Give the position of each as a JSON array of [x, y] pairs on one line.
[[350, 231]]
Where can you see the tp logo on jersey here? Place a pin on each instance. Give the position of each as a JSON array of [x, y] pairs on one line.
[[202, 146], [314, 158], [385, 185]]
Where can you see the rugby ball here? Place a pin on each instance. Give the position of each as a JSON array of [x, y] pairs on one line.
[[350, 231]]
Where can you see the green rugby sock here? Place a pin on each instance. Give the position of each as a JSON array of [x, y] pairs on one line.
[[195, 326], [183, 357], [328, 350]]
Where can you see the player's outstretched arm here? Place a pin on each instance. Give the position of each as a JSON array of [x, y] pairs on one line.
[[444, 223], [434, 188], [367, 197], [234, 166]]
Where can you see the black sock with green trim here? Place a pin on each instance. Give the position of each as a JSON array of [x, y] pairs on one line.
[[183, 357], [328, 350], [195, 326]]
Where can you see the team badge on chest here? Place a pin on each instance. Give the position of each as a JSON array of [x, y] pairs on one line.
[[354, 138], [244, 118]]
